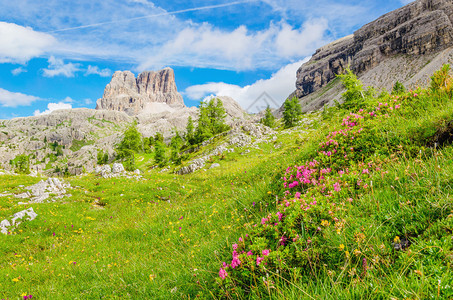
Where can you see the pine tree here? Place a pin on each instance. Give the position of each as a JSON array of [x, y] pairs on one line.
[[269, 119], [211, 120], [190, 133], [132, 140], [354, 96], [292, 112], [159, 154]]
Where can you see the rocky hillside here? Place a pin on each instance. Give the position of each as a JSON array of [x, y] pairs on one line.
[[68, 140], [64, 138], [407, 45]]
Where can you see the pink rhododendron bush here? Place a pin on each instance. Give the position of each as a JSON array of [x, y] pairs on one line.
[[327, 219]]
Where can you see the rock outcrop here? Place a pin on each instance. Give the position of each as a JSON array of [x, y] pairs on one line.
[[402, 42], [149, 92], [7, 227]]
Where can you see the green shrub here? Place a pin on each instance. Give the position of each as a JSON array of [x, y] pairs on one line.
[[21, 164], [102, 157]]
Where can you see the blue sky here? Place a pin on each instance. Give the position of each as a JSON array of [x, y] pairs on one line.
[[61, 54]]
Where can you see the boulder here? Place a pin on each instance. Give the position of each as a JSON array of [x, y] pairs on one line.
[[118, 168]]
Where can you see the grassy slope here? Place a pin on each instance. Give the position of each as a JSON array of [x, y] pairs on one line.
[[157, 237], [166, 236]]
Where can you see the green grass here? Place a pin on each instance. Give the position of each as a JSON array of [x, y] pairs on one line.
[[136, 233], [165, 236]]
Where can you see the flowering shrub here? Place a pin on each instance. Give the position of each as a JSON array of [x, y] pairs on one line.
[[311, 228]]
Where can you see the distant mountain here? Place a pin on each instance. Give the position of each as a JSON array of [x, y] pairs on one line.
[[407, 45], [149, 92]]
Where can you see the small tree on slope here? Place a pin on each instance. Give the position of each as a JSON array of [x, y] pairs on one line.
[[292, 112]]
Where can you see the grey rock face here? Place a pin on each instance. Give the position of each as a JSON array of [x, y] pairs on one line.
[[417, 30], [136, 95]]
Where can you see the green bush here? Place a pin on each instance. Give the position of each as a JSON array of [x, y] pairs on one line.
[[102, 157], [21, 164]]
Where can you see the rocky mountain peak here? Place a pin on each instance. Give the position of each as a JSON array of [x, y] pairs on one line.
[[393, 46], [136, 95]]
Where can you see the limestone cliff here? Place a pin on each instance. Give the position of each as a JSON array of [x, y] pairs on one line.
[[137, 95], [396, 46]]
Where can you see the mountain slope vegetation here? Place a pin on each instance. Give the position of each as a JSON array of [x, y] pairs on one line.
[[356, 205]]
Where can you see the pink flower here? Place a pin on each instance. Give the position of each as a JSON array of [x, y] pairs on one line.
[[263, 221], [298, 194], [235, 262], [266, 252], [336, 187], [280, 216], [240, 239], [249, 253], [223, 273], [235, 246], [282, 241], [259, 260], [225, 265], [366, 171]]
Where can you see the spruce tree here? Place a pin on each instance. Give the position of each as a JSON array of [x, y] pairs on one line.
[[190, 133], [292, 112], [159, 154], [269, 119]]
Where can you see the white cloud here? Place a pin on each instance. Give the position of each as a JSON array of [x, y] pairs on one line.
[[292, 42], [240, 49], [12, 99], [57, 67], [52, 107], [19, 70], [250, 97], [19, 44], [95, 70], [88, 101], [68, 100]]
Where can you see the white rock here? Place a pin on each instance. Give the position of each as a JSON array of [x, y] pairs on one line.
[[118, 168], [17, 218]]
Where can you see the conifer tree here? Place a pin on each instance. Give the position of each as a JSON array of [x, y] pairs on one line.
[[269, 119], [292, 112]]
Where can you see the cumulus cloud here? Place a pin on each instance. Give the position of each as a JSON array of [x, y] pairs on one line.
[[57, 67], [291, 42], [19, 70], [95, 70], [240, 49], [254, 97], [12, 99], [19, 44], [52, 107]]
